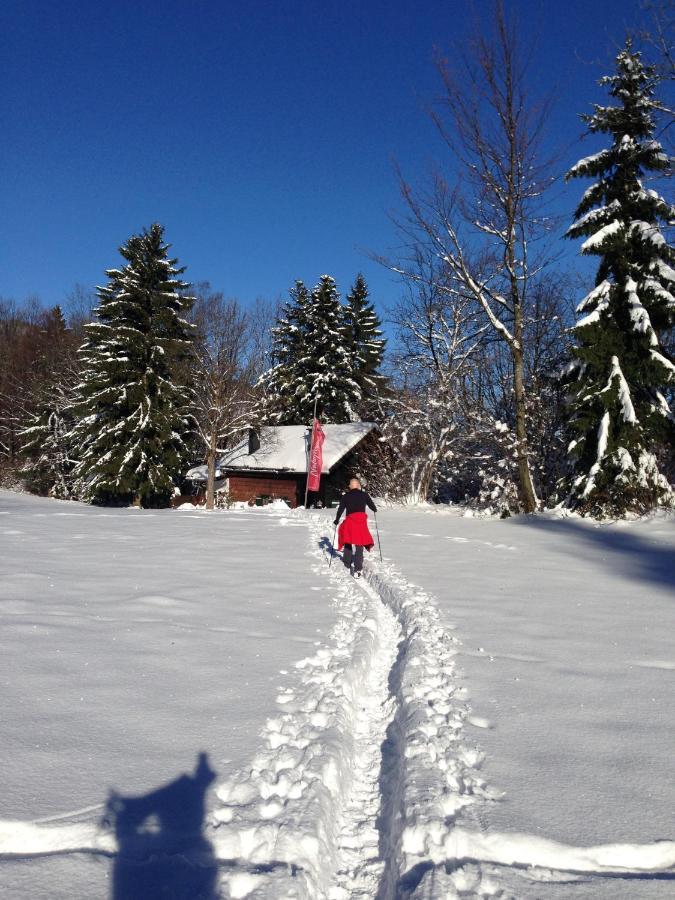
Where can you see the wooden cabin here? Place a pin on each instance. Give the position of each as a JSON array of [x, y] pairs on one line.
[[272, 464]]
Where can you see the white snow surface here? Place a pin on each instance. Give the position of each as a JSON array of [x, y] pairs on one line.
[[587, 161], [567, 632], [130, 641], [504, 729]]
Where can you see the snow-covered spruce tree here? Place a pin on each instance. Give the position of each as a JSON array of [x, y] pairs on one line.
[[278, 384], [618, 414], [365, 345], [325, 364], [310, 361], [131, 406]]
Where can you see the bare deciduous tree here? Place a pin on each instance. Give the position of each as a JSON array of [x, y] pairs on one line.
[[660, 34], [438, 336], [227, 361], [484, 230], [37, 349], [78, 308]]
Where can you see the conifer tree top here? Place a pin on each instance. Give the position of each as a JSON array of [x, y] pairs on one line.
[[618, 413], [618, 198], [633, 86], [631, 122]]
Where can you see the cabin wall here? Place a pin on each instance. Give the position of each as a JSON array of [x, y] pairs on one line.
[[245, 488]]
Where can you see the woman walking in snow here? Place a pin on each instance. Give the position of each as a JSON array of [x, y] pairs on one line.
[[354, 533]]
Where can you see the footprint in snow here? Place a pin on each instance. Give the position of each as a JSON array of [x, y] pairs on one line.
[[463, 540], [479, 722], [158, 600]]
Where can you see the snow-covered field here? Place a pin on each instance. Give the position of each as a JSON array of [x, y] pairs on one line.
[[342, 724], [131, 641], [568, 651]]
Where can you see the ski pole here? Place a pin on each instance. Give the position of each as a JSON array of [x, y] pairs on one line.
[[379, 543], [332, 549]]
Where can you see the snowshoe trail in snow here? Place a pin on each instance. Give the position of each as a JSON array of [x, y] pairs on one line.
[[359, 866], [305, 812], [366, 766]]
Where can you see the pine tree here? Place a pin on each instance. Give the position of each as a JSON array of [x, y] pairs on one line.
[[325, 365], [365, 345], [619, 415], [310, 361], [131, 407], [278, 384]]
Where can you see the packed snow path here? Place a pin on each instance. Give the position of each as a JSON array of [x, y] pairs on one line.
[[366, 768], [360, 862]]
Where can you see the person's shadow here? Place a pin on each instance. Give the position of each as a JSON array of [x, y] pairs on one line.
[[329, 549], [162, 851]]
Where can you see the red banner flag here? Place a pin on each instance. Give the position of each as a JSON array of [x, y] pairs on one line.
[[315, 457]]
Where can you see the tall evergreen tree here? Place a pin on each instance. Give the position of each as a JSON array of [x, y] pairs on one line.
[[619, 414], [131, 407], [325, 364], [278, 384], [310, 360], [365, 345]]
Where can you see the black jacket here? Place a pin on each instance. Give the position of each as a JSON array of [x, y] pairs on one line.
[[354, 501]]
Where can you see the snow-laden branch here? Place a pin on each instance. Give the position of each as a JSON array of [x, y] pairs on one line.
[[617, 379]]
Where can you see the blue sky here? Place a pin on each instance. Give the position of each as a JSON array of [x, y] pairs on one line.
[[262, 134]]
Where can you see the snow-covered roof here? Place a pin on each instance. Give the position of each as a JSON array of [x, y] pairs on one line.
[[284, 448]]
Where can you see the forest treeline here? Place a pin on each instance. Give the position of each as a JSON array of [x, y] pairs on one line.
[[492, 388]]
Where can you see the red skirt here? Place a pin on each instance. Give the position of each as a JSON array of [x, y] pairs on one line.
[[354, 530]]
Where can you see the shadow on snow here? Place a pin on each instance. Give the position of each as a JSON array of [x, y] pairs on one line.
[[162, 850], [632, 554]]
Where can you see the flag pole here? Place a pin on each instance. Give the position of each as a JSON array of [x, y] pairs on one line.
[[311, 447]]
